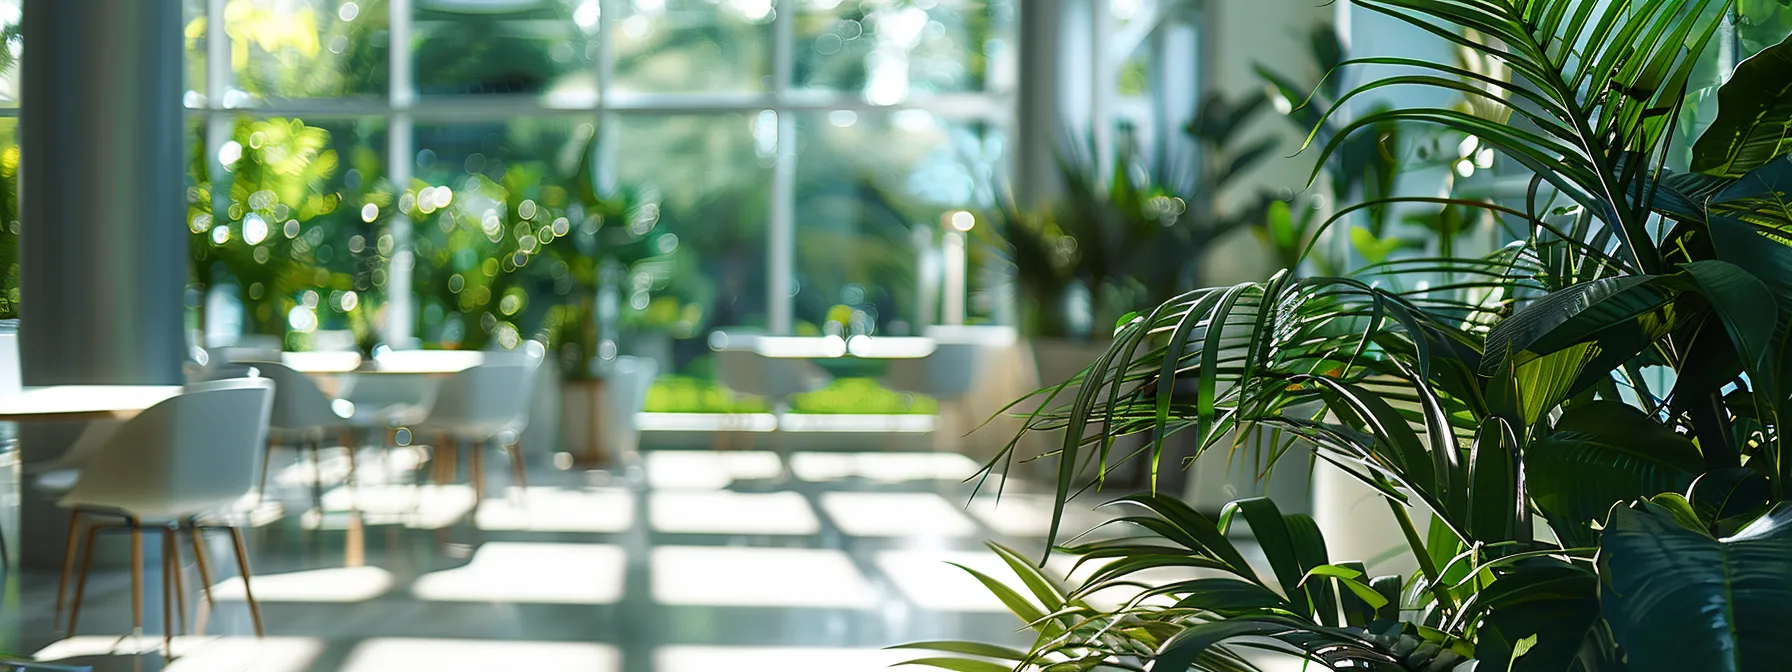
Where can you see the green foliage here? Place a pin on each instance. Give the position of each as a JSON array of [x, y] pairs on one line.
[[1622, 371], [1679, 599], [861, 395], [275, 231], [686, 394], [1752, 127]]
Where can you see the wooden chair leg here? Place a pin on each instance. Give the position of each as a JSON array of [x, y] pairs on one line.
[[136, 578], [317, 479], [68, 562], [519, 468], [439, 460], [171, 535], [205, 581], [355, 544], [476, 472], [450, 460], [242, 566], [167, 593], [74, 608]]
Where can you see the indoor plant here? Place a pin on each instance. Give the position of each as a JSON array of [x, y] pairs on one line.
[[1525, 391]]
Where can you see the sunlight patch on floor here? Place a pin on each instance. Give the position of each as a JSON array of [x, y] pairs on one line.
[[767, 577], [896, 514], [457, 655], [196, 653], [335, 585], [709, 470], [775, 659], [531, 573], [882, 467], [724, 512], [541, 509]]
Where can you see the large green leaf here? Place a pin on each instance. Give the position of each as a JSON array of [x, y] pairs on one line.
[[1743, 303], [1754, 116], [1573, 315], [1553, 602], [1726, 499], [1679, 599], [1601, 453]]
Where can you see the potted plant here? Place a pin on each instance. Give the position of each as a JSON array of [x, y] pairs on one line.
[[1583, 514]]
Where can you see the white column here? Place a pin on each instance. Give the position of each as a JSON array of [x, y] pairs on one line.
[[401, 328], [953, 253], [780, 243]]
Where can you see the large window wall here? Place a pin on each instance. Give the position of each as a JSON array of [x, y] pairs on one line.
[[463, 173]]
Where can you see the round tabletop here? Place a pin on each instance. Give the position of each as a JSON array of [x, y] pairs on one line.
[[82, 402]]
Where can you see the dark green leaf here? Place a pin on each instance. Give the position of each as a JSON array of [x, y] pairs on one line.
[[1573, 315], [1754, 116], [960, 664], [968, 648], [1679, 599], [1601, 453], [1726, 499], [1494, 505]]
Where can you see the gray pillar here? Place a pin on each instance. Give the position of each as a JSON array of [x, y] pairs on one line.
[[1040, 126], [104, 249], [103, 255]]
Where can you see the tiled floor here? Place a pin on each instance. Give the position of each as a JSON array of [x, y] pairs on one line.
[[693, 561]]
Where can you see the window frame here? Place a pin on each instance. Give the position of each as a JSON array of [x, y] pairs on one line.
[[400, 109]]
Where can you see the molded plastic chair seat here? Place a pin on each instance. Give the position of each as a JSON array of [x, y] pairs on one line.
[[743, 367], [481, 404], [186, 456]]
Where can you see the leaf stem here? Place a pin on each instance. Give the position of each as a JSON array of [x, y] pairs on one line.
[[1426, 566]]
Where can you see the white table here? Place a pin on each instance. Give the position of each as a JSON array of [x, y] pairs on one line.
[[82, 402], [833, 347]]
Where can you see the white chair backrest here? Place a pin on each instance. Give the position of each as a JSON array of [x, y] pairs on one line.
[[628, 382], [485, 399], [298, 403], [749, 372], [192, 453], [949, 372]]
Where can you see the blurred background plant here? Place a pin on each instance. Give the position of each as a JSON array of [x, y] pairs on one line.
[[273, 235]]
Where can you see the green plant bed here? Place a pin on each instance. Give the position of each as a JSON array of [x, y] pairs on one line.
[[846, 396], [687, 394]]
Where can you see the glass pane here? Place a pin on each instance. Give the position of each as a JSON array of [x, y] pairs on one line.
[[890, 50], [192, 17], [682, 46], [871, 191], [501, 231], [286, 240], [10, 51], [9, 218], [307, 48], [473, 47], [710, 176]]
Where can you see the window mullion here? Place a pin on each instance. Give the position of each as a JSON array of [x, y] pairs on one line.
[[781, 220], [400, 320]]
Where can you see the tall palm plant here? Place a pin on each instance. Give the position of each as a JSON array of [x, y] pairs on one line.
[[1528, 386]]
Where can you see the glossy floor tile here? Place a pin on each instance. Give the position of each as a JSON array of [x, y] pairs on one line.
[[696, 560]]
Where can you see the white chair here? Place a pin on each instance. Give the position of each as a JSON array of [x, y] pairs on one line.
[[956, 367], [186, 457], [947, 374], [303, 419], [742, 366], [629, 380], [480, 404]]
